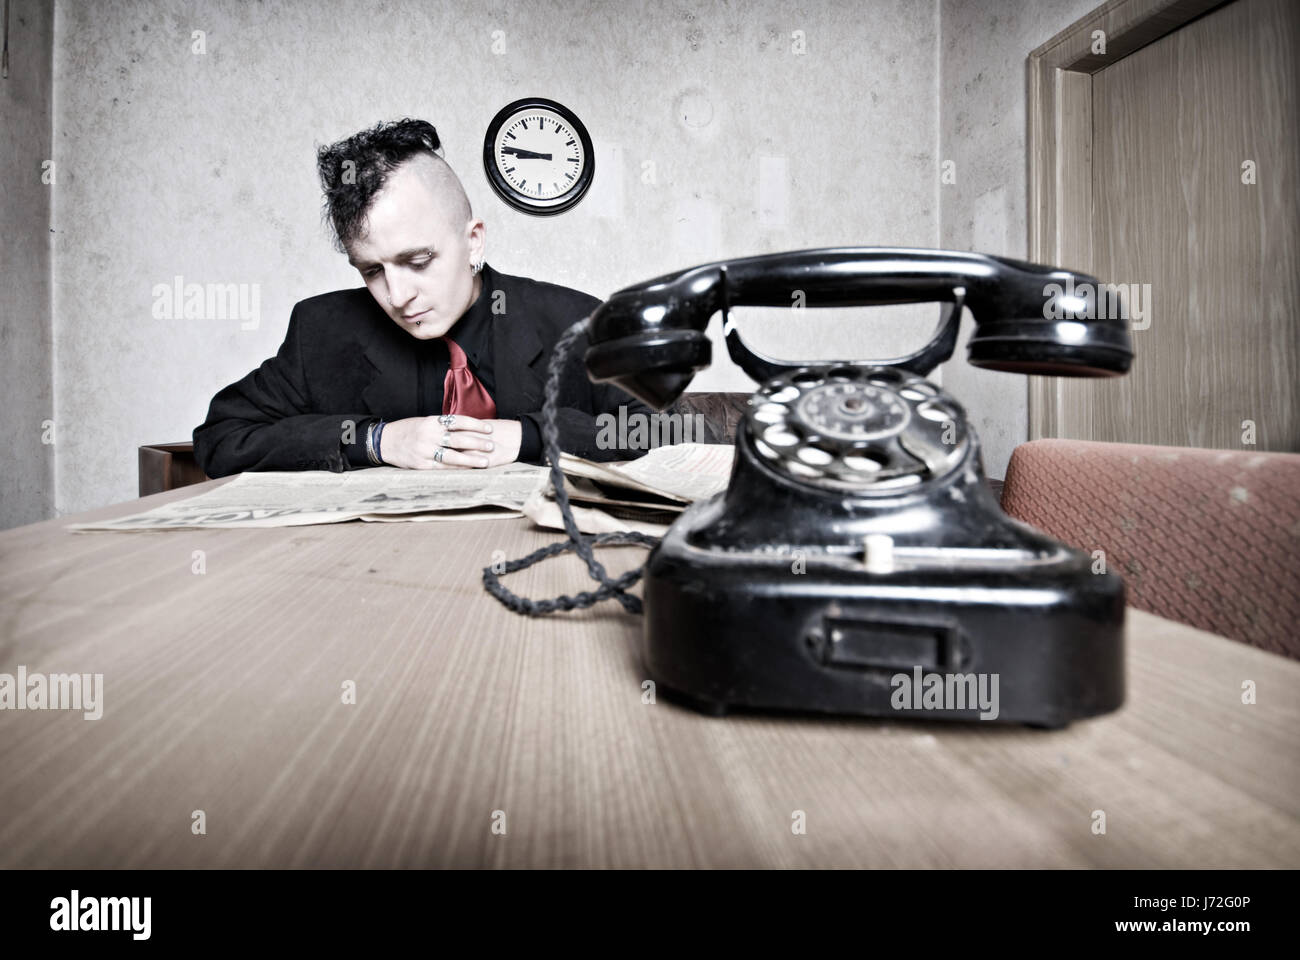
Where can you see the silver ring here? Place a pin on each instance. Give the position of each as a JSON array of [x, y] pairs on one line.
[[447, 419], [437, 455]]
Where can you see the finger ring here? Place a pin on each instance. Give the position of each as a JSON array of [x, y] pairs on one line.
[[443, 441], [437, 455], [447, 419]]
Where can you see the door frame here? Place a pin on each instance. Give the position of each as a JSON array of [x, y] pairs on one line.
[[1059, 102]]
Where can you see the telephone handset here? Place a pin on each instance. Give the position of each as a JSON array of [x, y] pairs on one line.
[[650, 338], [858, 562]]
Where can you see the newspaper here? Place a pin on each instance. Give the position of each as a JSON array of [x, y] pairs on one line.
[[545, 512], [299, 497], [666, 480], [685, 472], [586, 491], [681, 473]]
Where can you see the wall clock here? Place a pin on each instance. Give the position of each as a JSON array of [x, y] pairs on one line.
[[538, 156]]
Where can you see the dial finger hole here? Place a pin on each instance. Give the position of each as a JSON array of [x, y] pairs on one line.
[[885, 377], [936, 411], [784, 394], [911, 393], [765, 450], [801, 469], [815, 456], [770, 413], [780, 436], [843, 373], [861, 464], [906, 480], [806, 379], [895, 483]]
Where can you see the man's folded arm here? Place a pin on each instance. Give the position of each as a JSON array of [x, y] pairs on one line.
[[587, 435], [266, 422], [587, 417]]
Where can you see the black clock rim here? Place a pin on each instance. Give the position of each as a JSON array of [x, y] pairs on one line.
[[507, 192]]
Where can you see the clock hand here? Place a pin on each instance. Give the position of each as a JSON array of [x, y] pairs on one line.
[[522, 154]]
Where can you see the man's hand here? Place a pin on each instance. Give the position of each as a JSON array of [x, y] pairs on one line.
[[466, 442], [507, 436]]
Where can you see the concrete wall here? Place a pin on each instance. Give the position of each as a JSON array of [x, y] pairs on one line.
[[26, 354], [768, 127], [200, 165], [983, 131]]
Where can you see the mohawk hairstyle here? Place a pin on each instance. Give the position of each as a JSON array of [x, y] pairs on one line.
[[353, 170]]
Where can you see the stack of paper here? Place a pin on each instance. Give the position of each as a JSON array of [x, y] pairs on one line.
[[643, 494]]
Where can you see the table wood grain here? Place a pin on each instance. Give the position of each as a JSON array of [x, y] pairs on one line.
[[223, 692]]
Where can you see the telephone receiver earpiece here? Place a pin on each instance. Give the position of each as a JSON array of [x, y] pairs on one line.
[[649, 339]]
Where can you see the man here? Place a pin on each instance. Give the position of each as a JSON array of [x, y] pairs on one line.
[[438, 363]]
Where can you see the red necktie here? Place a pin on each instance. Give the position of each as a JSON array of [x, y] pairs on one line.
[[461, 390]]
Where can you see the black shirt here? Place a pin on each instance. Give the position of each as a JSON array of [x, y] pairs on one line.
[[473, 334]]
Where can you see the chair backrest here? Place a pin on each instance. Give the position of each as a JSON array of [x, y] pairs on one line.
[[1210, 538], [720, 413], [166, 466]]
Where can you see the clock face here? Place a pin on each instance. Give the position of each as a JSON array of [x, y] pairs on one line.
[[538, 157]]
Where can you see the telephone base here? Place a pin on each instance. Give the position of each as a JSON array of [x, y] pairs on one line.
[[1040, 645], [710, 708]]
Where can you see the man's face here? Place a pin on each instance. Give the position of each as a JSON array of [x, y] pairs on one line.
[[415, 261]]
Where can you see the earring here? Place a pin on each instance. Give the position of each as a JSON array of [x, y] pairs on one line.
[[475, 266]]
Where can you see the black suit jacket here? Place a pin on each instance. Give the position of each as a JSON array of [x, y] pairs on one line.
[[344, 359]]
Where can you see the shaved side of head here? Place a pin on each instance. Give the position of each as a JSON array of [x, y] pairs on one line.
[[442, 181]]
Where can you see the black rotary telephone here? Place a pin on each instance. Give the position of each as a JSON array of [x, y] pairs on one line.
[[858, 563]]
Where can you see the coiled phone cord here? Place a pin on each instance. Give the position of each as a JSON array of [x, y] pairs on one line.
[[578, 542]]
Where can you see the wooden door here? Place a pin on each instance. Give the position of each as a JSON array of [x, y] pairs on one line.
[[1180, 161]]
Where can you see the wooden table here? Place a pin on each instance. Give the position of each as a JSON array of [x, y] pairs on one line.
[[223, 692]]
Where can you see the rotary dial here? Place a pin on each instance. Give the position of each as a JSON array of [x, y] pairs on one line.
[[865, 428]]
